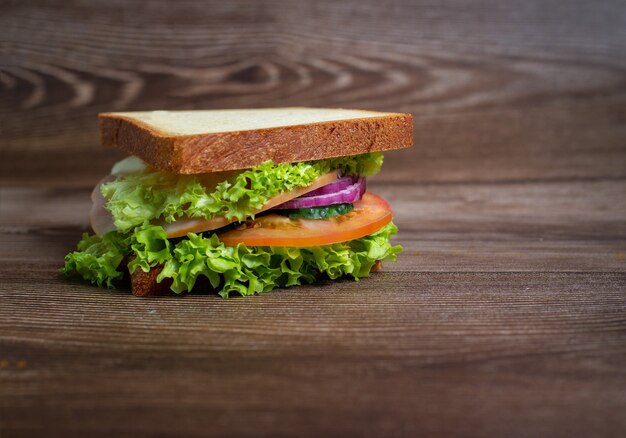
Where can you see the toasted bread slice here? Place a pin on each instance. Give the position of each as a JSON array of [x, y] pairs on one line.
[[189, 142]]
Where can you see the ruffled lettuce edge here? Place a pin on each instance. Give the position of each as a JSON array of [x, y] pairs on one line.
[[238, 269]]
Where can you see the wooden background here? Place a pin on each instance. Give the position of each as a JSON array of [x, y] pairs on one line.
[[505, 316]]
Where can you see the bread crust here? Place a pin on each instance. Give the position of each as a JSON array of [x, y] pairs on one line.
[[144, 284], [203, 153]]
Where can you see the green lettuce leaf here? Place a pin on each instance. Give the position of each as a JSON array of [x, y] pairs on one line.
[[150, 247], [240, 269], [98, 258], [136, 199]]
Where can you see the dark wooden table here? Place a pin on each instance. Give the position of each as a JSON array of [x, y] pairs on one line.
[[506, 314]]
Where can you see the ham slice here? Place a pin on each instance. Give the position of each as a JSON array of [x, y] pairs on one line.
[[184, 225], [100, 218], [102, 221]]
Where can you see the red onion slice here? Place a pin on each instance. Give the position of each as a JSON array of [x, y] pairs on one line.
[[334, 186], [350, 194]]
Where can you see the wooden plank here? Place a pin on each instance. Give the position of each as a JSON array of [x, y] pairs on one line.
[[555, 226], [509, 95], [505, 352]]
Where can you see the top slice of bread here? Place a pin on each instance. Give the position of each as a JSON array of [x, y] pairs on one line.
[[189, 142]]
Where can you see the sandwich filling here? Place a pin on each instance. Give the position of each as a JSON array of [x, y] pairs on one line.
[[275, 225]]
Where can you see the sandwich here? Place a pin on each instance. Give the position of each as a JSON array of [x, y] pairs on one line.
[[239, 201]]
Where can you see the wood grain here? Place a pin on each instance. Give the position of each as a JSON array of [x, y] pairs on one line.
[[528, 90], [504, 316], [496, 350]]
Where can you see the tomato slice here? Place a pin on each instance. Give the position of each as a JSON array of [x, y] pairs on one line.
[[370, 214]]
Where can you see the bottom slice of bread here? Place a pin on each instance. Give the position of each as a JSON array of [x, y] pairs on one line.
[[144, 284]]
